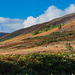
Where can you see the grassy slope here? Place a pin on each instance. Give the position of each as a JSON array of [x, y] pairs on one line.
[[28, 41], [67, 27], [41, 40], [39, 63], [55, 22]]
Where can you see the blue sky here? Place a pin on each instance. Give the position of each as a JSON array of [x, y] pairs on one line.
[[17, 14], [24, 8]]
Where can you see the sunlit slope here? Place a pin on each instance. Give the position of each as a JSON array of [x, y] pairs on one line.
[[55, 22], [67, 27]]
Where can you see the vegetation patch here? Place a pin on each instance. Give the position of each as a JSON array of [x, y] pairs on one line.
[[43, 40], [35, 32], [59, 26], [36, 64], [54, 37], [46, 28]]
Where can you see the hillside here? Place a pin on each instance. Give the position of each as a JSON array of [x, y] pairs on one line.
[[43, 49], [2, 34], [55, 22], [37, 37], [49, 33]]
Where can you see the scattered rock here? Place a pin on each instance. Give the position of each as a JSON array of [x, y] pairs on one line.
[[44, 46], [71, 26], [56, 46], [40, 52]]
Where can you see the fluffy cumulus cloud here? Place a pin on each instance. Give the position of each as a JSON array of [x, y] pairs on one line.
[[30, 21], [10, 25], [70, 9], [51, 13]]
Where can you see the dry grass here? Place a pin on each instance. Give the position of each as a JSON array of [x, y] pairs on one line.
[[50, 48], [68, 27], [17, 39], [57, 47]]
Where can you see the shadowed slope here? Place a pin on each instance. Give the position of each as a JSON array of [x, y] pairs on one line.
[[2, 34]]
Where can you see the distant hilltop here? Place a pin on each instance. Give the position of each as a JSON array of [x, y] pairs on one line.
[[2, 34]]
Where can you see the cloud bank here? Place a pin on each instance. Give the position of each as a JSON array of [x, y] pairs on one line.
[[9, 25], [51, 13]]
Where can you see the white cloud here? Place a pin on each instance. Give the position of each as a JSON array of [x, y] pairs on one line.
[[30, 21], [3, 20], [51, 13], [70, 9], [10, 25]]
